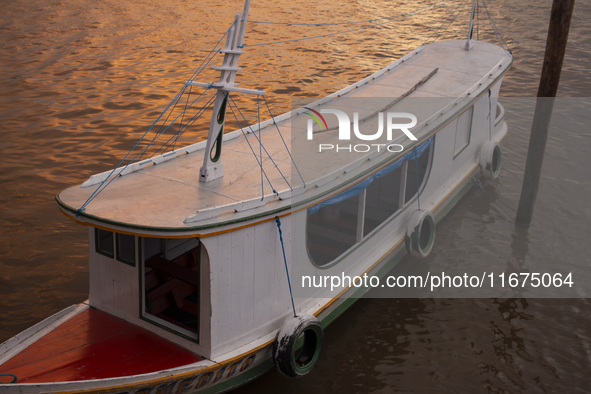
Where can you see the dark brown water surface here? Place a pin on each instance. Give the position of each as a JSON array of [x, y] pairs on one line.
[[81, 80]]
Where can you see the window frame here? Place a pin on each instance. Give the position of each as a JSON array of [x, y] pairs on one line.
[[116, 251], [159, 322], [459, 152], [97, 242]]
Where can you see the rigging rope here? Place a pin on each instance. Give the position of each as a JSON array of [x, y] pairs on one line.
[[417, 176], [260, 147], [177, 135], [260, 142], [138, 157], [489, 117], [337, 23], [496, 31], [248, 142], [354, 30], [183, 118], [459, 10], [284, 144], [215, 51]]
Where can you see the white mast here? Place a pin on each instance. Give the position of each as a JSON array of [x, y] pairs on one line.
[[470, 42], [212, 165]]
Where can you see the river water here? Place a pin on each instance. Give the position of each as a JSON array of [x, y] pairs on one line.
[[82, 79]]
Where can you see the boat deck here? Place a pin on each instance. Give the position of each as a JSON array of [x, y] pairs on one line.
[[95, 345]]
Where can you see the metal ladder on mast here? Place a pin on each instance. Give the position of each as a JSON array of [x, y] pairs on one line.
[[212, 165]]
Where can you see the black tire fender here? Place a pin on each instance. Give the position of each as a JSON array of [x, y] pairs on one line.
[[295, 358]]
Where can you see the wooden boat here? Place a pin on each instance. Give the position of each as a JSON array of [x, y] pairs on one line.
[[190, 261]]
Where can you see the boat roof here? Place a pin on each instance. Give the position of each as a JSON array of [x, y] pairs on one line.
[[164, 194]]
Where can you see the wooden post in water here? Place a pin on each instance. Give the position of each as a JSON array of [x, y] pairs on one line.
[[560, 17]]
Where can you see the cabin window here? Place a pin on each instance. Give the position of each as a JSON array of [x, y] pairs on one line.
[[382, 200], [170, 280], [337, 224], [463, 126], [104, 242], [125, 246], [332, 229], [416, 170]]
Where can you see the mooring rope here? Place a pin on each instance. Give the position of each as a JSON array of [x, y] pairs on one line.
[[285, 261]]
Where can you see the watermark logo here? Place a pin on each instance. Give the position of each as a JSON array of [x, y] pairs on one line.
[[344, 126], [317, 117]]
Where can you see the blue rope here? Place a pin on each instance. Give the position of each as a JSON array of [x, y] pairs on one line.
[[260, 148], [459, 10], [252, 150], [477, 20], [489, 117], [98, 189], [199, 70], [497, 32], [284, 144], [353, 30], [330, 24], [191, 121], [201, 66], [417, 175], [179, 95], [285, 261], [183, 118], [138, 157], [160, 132], [260, 142], [477, 183]]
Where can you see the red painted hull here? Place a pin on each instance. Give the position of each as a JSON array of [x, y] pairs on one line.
[[95, 345]]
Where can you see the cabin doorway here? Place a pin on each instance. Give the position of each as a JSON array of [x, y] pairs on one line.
[[171, 284]]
